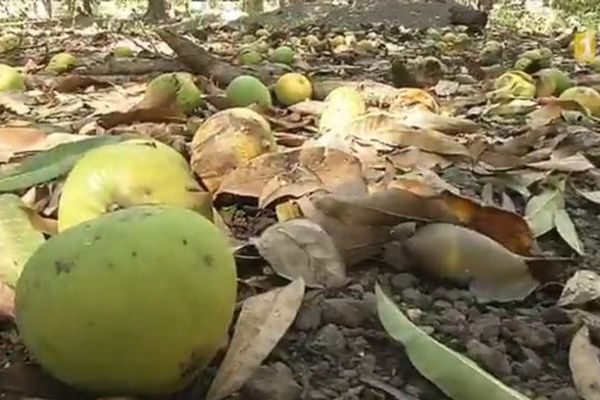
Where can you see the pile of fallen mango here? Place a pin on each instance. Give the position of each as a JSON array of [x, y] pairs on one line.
[[119, 241]]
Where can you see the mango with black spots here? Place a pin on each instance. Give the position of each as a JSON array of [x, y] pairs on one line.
[[135, 302]]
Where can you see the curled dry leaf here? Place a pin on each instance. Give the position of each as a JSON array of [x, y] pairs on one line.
[[301, 248], [295, 173], [263, 321], [18, 238], [387, 207], [505, 227], [457, 253], [15, 140], [582, 288], [384, 131], [584, 362], [226, 140], [421, 117], [355, 242]]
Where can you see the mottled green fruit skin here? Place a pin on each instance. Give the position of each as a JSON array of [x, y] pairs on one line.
[[250, 57], [123, 52], [137, 301], [283, 55], [11, 79], [126, 174], [246, 90], [179, 84], [61, 62]]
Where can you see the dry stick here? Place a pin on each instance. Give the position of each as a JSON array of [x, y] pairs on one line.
[[203, 63]]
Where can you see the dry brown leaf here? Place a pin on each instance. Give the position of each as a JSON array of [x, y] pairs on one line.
[[308, 107], [412, 157], [356, 243], [301, 248], [295, 173], [263, 321], [387, 207], [574, 163], [406, 98], [505, 227], [458, 253], [384, 131], [584, 362], [582, 288], [341, 107], [421, 117], [15, 140], [153, 114], [545, 115], [226, 140]]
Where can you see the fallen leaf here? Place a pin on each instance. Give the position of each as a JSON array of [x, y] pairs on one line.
[[584, 362], [445, 368], [574, 163], [7, 302], [541, 209], [387, 207], [136, 114], [50, 164], [262, 322], [412, 157], [593, 196], [504, 226], [460, 254], [18, 238], [582, 288], [545, 115], [308, 107], [512, 108], [567, 231], [421, 117], [301, 248], [384, 131], [295, 173], [356, 242]]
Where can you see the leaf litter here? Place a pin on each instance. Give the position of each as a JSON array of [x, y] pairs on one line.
[[344, 173]]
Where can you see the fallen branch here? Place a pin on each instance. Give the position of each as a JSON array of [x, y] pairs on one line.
[[203, 63]]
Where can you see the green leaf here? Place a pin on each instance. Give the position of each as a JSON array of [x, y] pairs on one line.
[[540, 210], [18, 238], [567, 231], [51, 164], [456, 375]]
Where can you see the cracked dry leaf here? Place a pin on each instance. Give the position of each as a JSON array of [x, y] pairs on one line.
[[301, 248], [566, 229], [584, 362], [457, 376], [582, 288], [18, 238], [295, 173], [226, 140], [263, 321], [355, 242], [461, 254], [382, 130]]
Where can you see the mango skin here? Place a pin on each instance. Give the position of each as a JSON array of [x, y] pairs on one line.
[[134, 302], [133, 172]]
